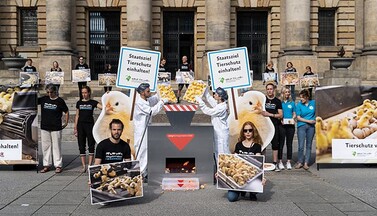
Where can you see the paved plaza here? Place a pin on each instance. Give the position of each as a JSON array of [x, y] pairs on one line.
[[333, 190]]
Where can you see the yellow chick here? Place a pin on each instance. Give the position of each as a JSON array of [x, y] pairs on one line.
[[321, 139], [363, 122], [345, 131], [359, 113], [333, 132], [369, 113], [7, 97], [2, 94]]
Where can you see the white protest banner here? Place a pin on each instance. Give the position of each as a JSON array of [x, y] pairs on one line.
[[229, 68], [355, 149], [137, 66], [10, 149]]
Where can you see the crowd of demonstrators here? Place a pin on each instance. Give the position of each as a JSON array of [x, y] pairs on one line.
[[52, 109], [84, 122], [275, 113]]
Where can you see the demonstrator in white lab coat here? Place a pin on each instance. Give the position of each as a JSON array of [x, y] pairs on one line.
[[218, 111], [146, 106]]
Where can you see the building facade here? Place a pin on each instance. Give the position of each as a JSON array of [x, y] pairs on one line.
[[304, 32]]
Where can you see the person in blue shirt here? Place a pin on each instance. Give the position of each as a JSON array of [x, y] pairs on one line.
[[288, 127], [305, 111]]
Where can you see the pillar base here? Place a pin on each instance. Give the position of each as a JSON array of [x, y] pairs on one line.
[[369, 51], [298, 51], [66, 63], [341, 77]]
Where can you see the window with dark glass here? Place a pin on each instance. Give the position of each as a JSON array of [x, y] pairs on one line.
[[326, 26], [28, 27]]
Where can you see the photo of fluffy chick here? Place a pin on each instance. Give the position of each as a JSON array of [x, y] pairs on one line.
[[321, 139], [249, 107], [333, 132], [345, 131], [363, 122], [116, 105]]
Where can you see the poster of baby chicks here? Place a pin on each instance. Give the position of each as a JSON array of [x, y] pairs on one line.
[[115, 181], [346, 125], [240, 172]]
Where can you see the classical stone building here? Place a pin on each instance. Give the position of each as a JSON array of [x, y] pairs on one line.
[[305, 32]]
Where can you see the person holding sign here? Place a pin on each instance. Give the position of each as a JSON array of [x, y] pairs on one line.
[[184, 67], [249, 142], [146, 106], [288, 127], [219, 118], [55, 67], [309, 72], [274, 112], [269, 73], [108, 70], [161, 67], [84, 123], [81, 65], [113, 149], [305, 111], [291, 69], [52, 109], [29, 66]]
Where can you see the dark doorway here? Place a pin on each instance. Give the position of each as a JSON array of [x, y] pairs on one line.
[[104, 41], [178, 39], [252, 33]]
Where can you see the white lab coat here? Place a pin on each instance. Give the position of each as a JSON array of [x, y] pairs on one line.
[[219, 116], [142, 110]]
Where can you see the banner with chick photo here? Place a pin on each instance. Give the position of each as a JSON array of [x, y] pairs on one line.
[[346, 124], [116, 105], [18, 126], [246, 107], [115, 181]]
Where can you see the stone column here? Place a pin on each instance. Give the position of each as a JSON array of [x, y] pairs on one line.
[[139, 16], [217, 24], [297, 27], [58, 26], [217, 30], [370, 27]]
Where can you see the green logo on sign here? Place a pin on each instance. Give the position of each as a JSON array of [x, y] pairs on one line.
[[222, 80], [128, 78]]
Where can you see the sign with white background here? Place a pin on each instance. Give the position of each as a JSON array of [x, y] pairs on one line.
[[229, 68], [137, 66], [10, 149], [360, 149]]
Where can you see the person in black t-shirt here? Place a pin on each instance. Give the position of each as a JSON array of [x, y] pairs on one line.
[[184, 67], [29, 66], [113, 149], [249, 142], [84, 123], [81, 65], [161, 67], [55, 67], [52, 109], [274, 110]]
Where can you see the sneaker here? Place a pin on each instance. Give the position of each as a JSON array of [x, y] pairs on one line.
[[281, 166], [253, 196], [289, 166], [276, 167]]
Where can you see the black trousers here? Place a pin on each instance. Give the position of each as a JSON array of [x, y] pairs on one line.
[[84, 133], [287, 134]]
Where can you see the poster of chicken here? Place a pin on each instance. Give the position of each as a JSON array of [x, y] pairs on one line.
[[346, 124], [240, 172], [18, 126], [115, 182], [116, 105]]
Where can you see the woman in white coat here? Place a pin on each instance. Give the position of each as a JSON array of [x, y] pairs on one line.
[[146, 106], [219, 119]]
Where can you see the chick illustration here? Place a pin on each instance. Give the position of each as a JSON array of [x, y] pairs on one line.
[[249, 107], [321, 139], [333, 132], [363, 122], [116, 105]]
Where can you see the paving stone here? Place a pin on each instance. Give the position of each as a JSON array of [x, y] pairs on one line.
[[324, 213], [310, 207], [68, 197], [53, 209], [371, 213], [31, 200], [354, 207], [19, 209]]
